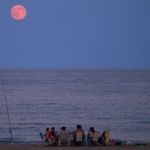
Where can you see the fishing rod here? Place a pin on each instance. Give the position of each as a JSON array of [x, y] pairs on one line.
[[7, 112]]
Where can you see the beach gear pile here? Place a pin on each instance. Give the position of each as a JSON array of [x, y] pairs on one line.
[[105, 140]]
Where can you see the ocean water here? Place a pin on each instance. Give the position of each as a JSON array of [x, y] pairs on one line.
[[40, 98]]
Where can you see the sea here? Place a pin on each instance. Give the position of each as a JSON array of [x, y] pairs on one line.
[[34, 99]]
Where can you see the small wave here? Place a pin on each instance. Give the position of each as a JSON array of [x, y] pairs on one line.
[[144, 121]]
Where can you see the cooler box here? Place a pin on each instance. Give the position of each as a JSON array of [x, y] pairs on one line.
[[118, 142]]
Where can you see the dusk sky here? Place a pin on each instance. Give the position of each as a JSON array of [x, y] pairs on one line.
[[76, 34]]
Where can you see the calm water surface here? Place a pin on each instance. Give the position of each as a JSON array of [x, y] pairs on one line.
[[40, 98]]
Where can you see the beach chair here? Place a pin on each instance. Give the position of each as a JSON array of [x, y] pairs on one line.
[[42, 139], [50, 142], [63, 138], [79, 138], [95, 137]]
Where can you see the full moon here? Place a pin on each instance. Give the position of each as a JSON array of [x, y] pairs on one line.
[[18, 12]]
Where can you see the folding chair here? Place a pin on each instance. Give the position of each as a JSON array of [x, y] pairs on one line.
[[95, 136], [42, 139], [63, 138], [79, 137], [50, 142]]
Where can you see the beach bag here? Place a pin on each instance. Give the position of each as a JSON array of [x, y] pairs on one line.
[[101, 139]]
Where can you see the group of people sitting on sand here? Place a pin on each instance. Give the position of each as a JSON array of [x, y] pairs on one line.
[[54, 136]]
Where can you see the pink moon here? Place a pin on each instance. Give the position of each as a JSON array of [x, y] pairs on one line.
[[18, 12]]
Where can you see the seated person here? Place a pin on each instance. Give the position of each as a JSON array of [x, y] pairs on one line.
[[46, 135], [90, 135], [53, 139], [79, 129], [63, 129], [54, 133]]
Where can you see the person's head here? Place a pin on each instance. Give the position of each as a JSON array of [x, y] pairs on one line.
[[47, 129], [52, 129], [78, 126], [64, 128], [92, 129], [61, 128]]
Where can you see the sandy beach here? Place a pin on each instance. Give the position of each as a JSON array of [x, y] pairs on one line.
[[37, 147]]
